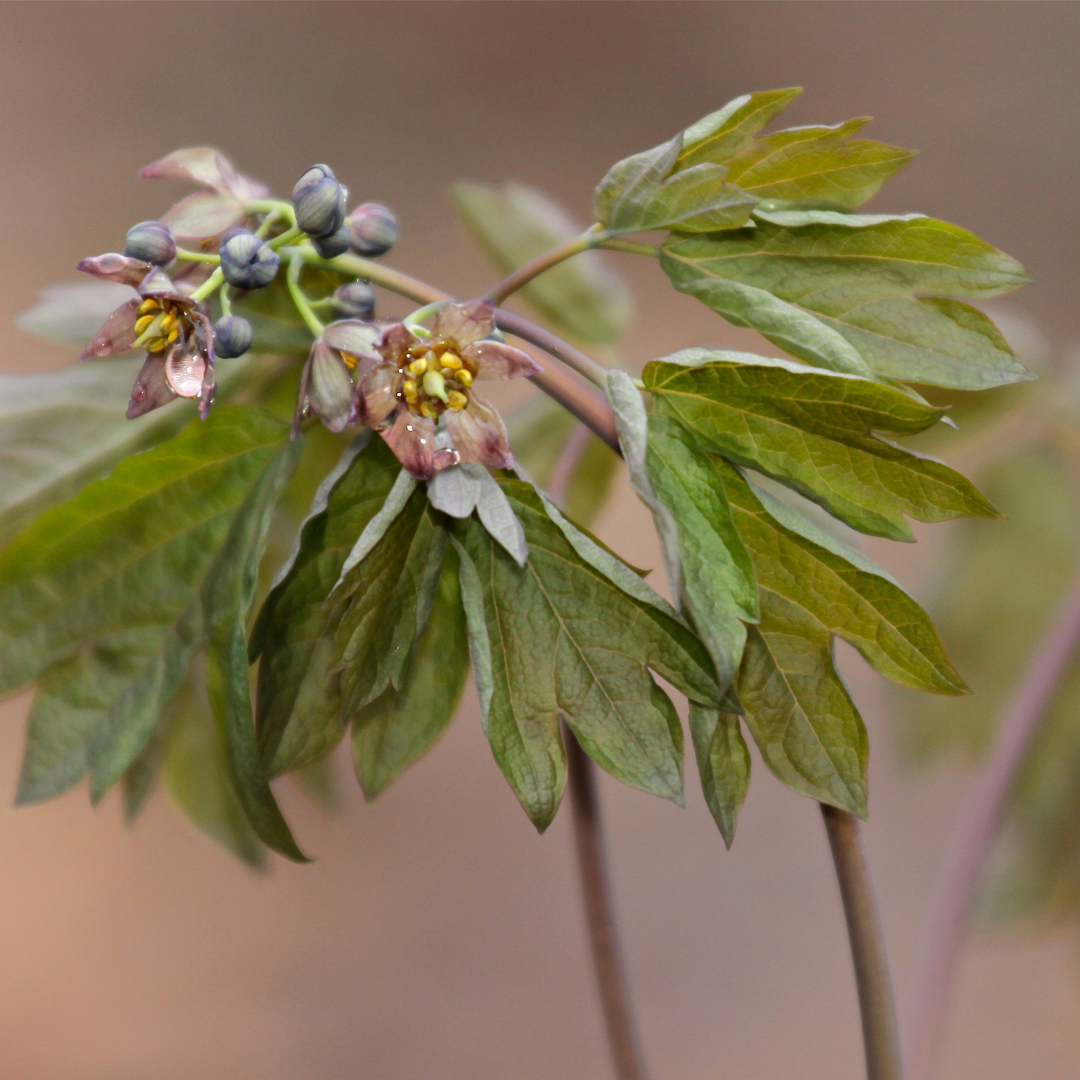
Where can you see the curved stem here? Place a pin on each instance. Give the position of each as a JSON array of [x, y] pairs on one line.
[[596, 892], [631, 247], [523, 275], [209, 286], [197, 256], [881, 1035], [299, 299], [975, 832]]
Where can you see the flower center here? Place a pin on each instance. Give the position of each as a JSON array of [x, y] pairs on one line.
[[435, 377], [159, 324]]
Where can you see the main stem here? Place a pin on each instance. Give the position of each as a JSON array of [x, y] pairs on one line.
[[542, 263], [596, 891], [979, 823], [881, 1033]]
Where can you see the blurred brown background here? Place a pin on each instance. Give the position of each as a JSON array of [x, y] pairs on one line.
[[437, 935]]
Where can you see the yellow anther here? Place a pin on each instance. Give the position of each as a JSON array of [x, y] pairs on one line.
[[148, 305], [428, 409], [350, 360], [143, 323], [456, 400], [174, 333], [431, 360], [168, 322], [464, 376], [451, 360], [418, 367], [156, 345], [410, 390]]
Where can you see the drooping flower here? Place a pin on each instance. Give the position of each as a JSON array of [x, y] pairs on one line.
[[327, 387], [421, 384], [174, 330], [209, 212]]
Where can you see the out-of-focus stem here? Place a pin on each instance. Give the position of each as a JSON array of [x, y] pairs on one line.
[[292, 279], [877, 1006], [631, 247], [542, 263], [976, 829], [596, 892]]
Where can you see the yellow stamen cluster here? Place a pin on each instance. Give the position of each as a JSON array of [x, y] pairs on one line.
[[435, 378], [158, 324]]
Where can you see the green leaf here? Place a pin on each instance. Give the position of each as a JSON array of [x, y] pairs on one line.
[[564, 641], [463, 489], [227, 596], [591, 480], [838, 589], [890, 289], [129, 553], [581, 297], [389, 595], [60, 430], [723, 764], [718, 584], [197, 775], [298, 703], [798, 709], [625, 194], [722, 134], [812, 430], [816, 166], [399, 727]]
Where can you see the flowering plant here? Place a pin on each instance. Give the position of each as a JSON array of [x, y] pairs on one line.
[[441, 540]]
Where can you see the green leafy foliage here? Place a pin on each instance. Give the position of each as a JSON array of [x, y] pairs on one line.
[[562, 639], [298, 705], [401, 725], [514, 224], [890, 288], [813, 430], [721, 135], [101, 596], [723, 764], [61, 430]]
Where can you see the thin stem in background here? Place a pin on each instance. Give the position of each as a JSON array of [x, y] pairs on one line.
[[596, 891], [542, 263], [975, 831], [881, 1033]]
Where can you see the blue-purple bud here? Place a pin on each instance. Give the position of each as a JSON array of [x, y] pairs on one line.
[[374, 229], [248, 262], [335, 244], [232, 337], [319, 202], [355, 300], [151, 242]]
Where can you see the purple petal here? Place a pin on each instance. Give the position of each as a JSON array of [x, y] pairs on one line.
[[151, 389], [375, 396], [396, 341], [465, 323], [479, 435], [159, 285], [494, 360], [117, 335], [113, 267], [206, 213], [412, 438], [185, 372], [205, 165], [353, 336], [330, 387]]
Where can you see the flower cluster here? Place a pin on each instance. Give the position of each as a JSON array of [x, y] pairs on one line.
[[417, 392]]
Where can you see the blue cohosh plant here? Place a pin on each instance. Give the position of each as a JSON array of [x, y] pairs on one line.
[[135, 587]]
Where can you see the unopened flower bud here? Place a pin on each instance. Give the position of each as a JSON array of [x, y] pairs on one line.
[[355, 300], [151, 242], [335, 244], [232, 336], [374, 229], [248, 262], [319, 202]]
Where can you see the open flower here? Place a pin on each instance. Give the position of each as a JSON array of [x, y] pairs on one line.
[[206, 213], [174, 330], [420, 384]]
